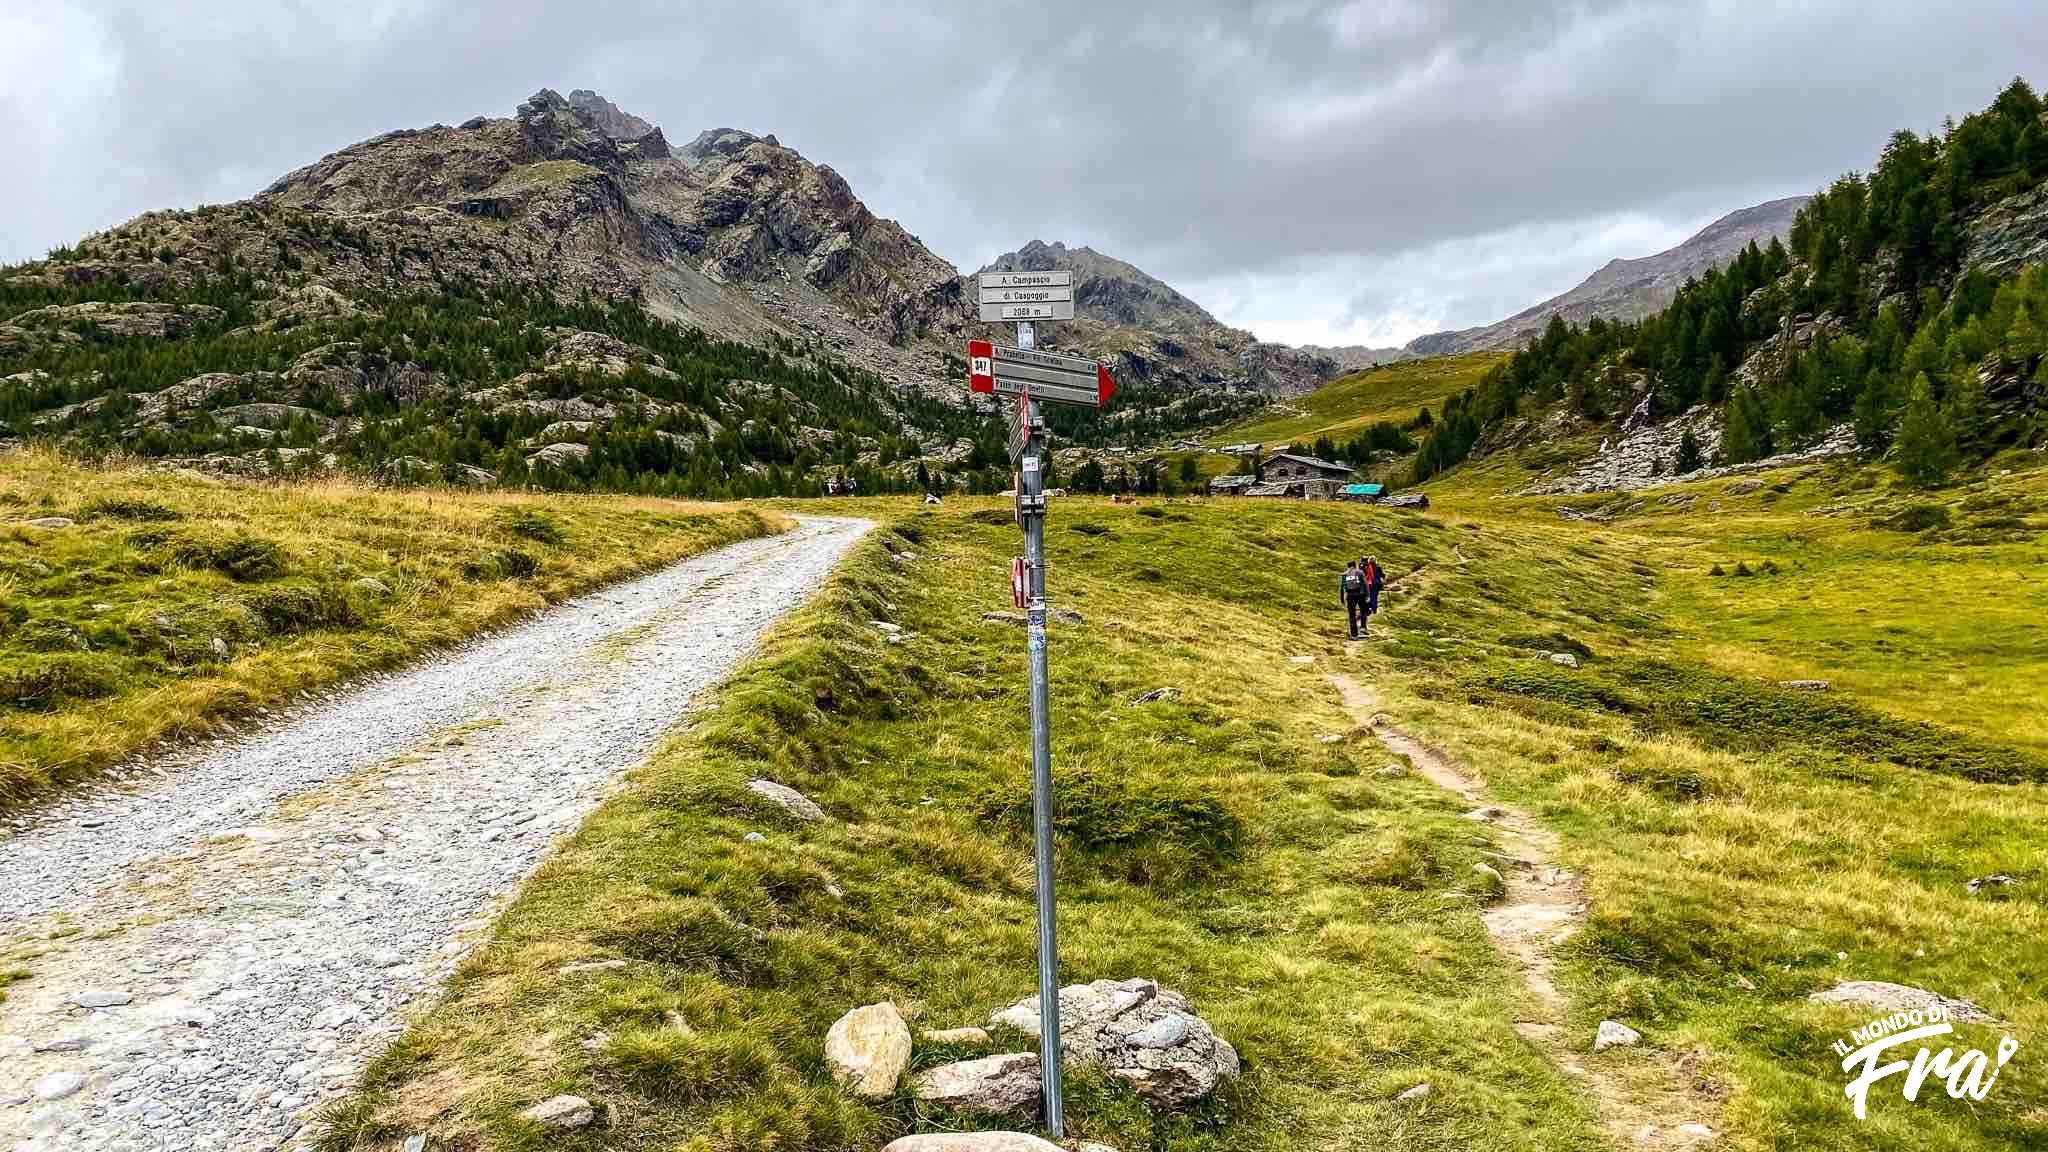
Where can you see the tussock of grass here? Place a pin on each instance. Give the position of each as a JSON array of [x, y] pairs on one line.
[[120, 611]]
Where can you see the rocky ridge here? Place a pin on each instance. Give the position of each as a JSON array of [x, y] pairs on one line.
[[1152, 333], [1626, 289]]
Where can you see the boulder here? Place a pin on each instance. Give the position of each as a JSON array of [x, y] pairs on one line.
[[51, 522], [1414, 500], [1139, 1032], [561, 1113], [792, 801], [972, 1142], [867, 1050], [1417, 1094], [560, 455], [1987, 883], [1564, 659], [1614, 1034], [1806, 685], [58, 1085], [1884, 996], [373, 586], [101, 998], [991, 1086], [1157, 694]]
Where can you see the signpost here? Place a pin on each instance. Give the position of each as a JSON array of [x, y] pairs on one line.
[[1035, 377], [1026, 296]]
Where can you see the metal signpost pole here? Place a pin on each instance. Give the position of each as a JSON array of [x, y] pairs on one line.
[[1031, 498]]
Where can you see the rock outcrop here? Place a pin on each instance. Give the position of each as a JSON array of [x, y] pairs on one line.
[[1139, 1032]]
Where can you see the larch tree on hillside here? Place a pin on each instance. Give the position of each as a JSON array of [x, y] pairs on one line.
[[1926, 440]]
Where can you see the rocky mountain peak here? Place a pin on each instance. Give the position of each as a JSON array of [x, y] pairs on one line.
[[587, 128], [609, 117]]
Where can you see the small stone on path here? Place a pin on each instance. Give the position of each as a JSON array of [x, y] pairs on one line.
[[562, 1113], [1614, 1034], [101, 998]]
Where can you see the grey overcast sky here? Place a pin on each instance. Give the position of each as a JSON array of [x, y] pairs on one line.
[[1317, 172]]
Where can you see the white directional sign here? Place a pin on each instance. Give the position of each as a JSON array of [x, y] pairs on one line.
[[1059, 278], [1046, 376], [1026, 295]]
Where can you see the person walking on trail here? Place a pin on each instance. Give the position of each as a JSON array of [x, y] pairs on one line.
[[1351, 592], [1375, 579]]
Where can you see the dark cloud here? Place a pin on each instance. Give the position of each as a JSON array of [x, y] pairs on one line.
[[1343, 172]]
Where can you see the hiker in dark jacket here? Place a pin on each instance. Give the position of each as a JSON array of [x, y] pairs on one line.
[[1375, 579], [1352, 590]]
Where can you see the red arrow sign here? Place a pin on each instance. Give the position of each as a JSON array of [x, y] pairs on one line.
[[1046, 376]]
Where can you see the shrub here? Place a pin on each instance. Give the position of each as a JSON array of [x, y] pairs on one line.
[[141, 511], [1548, 641], [532, 523], [1916, 518], [242, 558], [1409, 862], [41, 682]]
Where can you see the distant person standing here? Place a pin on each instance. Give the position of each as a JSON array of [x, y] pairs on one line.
[[1352, 591]]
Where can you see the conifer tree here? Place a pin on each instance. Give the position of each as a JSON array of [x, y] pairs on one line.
[[1689, 459], [1747, 433], [1926, 443]]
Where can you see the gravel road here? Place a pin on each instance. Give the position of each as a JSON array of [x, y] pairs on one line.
[[230, 940]]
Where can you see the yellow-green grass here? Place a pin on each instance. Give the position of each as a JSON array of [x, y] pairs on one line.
[[1345, 406], [1315, 913], [1743, 844], [1735, 832], [107, 627]]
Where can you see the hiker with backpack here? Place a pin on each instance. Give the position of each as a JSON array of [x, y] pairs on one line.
[[1375, 579], [1352, 590]]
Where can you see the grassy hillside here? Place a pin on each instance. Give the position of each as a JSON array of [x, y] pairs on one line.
[[173, 606], [1744, 844], [1345, 406]]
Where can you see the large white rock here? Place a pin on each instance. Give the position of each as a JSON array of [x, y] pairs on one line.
[[868, 1049], [1140, 1033], [973, 1142], [991, 1086], [562, 1113]]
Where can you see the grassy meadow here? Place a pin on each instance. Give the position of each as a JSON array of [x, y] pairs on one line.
[[175, 605], [1316, 914], [1744, 844], [1345, 406]]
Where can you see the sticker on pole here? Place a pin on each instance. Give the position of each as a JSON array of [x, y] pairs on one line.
[[981, 371], [1020, 583]]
